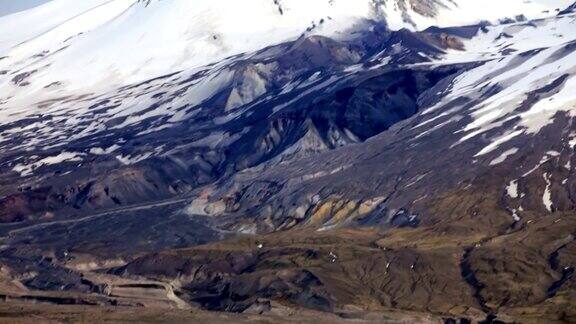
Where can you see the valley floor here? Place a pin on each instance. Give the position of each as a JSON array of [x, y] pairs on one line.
[[14, 313], [402, 275]]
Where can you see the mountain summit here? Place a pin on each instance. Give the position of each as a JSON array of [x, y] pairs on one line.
[[62, 36]]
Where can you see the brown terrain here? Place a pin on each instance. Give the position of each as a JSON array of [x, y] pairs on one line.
[[468, 265]]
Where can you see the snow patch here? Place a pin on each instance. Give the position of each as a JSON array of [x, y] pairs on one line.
[[547, 197], [515, 215], [129, 160], [512, 189], [28, 169], [504, 156], [101, 151], [497, 142]]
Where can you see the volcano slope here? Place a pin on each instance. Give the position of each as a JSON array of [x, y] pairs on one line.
[[389, 176]]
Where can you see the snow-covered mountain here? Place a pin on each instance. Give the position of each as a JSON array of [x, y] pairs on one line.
[[59, 38], [99, 74], [452, 120], [68, 49], [86, 80]]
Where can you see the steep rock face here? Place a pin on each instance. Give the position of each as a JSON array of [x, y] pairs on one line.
[[349, 115], [424, 8], [477, 126], [284, 101], [187, 129], [569, 9]]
